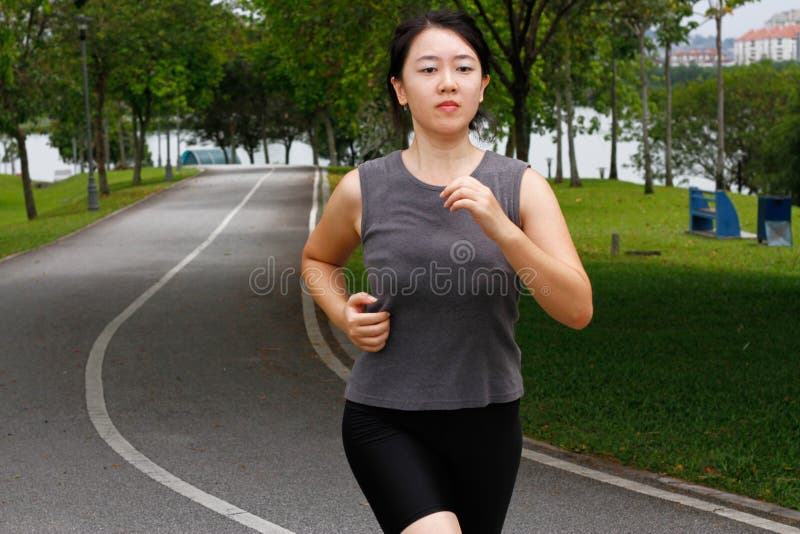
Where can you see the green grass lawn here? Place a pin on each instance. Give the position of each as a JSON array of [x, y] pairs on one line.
[[691, 364], [62, 207]]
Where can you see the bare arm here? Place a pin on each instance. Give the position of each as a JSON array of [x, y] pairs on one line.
[[544, 256], [325, 253]]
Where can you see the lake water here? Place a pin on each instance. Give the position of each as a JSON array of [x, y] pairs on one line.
[[592, 152]]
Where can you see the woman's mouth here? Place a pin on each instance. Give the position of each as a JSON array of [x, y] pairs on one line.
[[449, 105]]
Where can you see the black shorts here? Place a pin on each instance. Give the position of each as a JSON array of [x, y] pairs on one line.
[[413, 463]]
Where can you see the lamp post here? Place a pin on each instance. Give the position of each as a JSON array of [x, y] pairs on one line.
[[549, 162], [83, 22]]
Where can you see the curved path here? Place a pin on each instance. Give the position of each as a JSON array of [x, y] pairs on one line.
[[225, 416]]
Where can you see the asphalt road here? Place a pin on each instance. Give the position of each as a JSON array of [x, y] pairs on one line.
[[217, 384]]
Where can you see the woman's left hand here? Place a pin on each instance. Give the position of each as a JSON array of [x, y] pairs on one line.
[[468, 193]]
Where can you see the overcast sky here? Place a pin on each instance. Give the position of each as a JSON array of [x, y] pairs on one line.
[[750, 16]]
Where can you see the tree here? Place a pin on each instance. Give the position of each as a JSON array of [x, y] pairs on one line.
[[621, 45], [581, 78], [760, 97], [716, 10], [24, 77], [232, 115], [334, 77], [166, 67], [521, 31], [9, 151], [672, 30], [782, 156], [640, 16]]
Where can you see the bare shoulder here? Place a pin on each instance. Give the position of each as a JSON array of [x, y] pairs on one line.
[[346, 199], [337, 233], [534, 189], [350, 184]]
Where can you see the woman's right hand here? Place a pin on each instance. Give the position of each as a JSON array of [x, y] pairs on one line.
[[367, 331]]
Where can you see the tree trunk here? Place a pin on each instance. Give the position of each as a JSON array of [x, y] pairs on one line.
[[559, 139], [250, 154], [312, 135], [287, 143], [106, 141], [719, 173], [100, 155], [574, 178], [612, 170], [30, 203], [137, 152], [233, 144], [510, 144], [123, 158], [326, 119], [266, 150], [522, 137], [75, 159], [668, 133], [221, 143], [648, 172]]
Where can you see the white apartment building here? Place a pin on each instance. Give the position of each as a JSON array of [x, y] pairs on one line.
[[778, 43]]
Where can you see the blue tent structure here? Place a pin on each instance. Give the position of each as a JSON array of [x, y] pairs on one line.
[[207, 156]]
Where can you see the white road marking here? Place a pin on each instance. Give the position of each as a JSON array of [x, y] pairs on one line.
[[638, 487], [98, 413], [335, 365]]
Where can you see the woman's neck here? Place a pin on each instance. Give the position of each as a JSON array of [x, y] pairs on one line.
[[441, 160]]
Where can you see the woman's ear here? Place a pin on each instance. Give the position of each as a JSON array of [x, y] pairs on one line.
[[484, 83], [399, 90]]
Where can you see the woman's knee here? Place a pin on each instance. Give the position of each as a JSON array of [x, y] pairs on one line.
[[443, 522]]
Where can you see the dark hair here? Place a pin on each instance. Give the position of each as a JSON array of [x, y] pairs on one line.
[[404, 35]]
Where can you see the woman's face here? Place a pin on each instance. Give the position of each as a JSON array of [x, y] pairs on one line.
[[441, 81]]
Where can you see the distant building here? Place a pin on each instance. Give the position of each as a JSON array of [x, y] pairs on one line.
[[706, 57], [784, 18], [778, 43]]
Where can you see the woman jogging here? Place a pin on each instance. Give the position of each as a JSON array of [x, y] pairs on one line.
[[451, 235]]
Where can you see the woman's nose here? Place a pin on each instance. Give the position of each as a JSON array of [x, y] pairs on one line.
[[447, 82]]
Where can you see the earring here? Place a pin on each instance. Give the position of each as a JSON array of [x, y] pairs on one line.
[[405, 107]]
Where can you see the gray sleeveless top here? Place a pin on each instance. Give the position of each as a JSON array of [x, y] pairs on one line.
[[452, 295]]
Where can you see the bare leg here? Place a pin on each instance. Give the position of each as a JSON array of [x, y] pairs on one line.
[[435, 523]]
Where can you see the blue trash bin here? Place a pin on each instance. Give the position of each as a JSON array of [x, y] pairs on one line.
[[772, 208]]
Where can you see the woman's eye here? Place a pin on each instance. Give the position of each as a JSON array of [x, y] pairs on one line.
[[429, 70], [464, 68]]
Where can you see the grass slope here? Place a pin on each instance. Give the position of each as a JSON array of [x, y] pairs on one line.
[[691, 364]]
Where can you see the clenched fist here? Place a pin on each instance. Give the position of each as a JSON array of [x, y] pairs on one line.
[[367, 331]]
